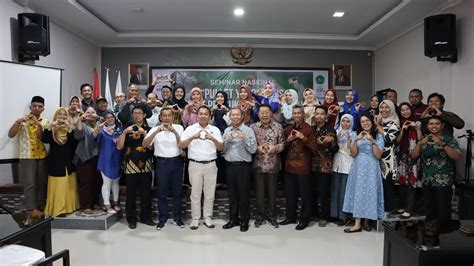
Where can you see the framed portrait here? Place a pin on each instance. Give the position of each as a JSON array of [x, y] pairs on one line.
[[342, 76], [138, 74]]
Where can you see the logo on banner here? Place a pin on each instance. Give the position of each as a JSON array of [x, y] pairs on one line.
[[319, 79]]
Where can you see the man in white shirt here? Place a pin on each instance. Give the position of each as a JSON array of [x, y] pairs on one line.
[[169, 165], [203, 141], [154, 105]]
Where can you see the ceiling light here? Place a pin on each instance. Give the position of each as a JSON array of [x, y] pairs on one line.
[[239, 12], [338, 14]]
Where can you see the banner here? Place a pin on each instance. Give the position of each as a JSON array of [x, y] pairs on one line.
[[229, 80]]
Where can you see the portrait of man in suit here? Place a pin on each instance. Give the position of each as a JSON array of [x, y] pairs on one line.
[[342, 75], [138, 74]]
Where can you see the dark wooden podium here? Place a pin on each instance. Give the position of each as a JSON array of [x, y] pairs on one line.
[[36, 236], [411, 244]]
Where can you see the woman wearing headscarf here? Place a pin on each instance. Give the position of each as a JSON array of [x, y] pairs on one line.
[[332, 104], [388, 125], [408, 167], [341, 167], [106, 135], [290, 99], [309, 106], [247, 104], [87, 152], [62, 196], [352, 106], [269, 96], [177, 103], [191, 109], [219, 110]]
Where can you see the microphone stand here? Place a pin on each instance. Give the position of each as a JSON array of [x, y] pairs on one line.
[[467, 170]]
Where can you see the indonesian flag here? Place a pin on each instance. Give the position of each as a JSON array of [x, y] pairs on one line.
[[96, 85]]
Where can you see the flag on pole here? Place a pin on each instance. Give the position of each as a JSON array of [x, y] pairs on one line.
[[96, 85], [118, 85], [108, 95]]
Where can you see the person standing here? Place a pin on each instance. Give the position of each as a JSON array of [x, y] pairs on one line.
[[388, 125], [86, 158], [86, 92], [138, 167], [322, 160], [32, 153], [62, 182], [266, 164], [438, 152], [239, 145], [300, 143], [203, 141], [106, 135], [364, 190], [169, 165]]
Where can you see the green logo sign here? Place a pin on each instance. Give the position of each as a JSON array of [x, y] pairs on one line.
[[319, 79]]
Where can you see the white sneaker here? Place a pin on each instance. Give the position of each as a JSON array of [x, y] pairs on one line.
[[208, 222], [194, 224]]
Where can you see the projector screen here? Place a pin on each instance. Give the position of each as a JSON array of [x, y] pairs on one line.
[[18, 84]]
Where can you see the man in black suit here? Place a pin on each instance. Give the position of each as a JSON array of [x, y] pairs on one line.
[[341, 79], [139, 78]]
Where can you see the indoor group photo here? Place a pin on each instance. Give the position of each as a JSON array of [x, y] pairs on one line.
[[222, 133]]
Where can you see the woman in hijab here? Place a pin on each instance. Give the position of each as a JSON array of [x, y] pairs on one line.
[[269, 95], [332, 104], [106, 135], [352, 106], [341, 167], [247, 104], [388, 125], [219, 110], [309, 105], [290, 99], [62, 196], [408, 167], [177, 103], [191, 109]]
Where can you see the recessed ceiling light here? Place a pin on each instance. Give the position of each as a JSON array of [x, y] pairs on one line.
[[338, 14], [137, 10], [239, 12]]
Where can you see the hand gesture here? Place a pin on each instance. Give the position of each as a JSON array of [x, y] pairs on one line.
[[406, 124], [101, 125], [328, 139], [425, 140], [369, 137], [128, 130], [436, 139], [361, 135], [357, 106], [378, 120]]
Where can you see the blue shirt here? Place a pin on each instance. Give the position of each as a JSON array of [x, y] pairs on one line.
[[109, 157]]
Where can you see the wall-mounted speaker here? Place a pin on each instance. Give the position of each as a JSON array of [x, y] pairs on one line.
[[440, 37], [34, 36]]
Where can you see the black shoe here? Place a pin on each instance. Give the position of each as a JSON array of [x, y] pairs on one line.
[[301, 226], [259, 222], [244, 227], [367, 227], [231, 224], [273, 223], [148, 222], [287, 222], [132, 225], [179, 223], [348, 230], [160, 225]]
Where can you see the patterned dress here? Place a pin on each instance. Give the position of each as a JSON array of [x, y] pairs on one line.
[[388, 162], [364, 190]]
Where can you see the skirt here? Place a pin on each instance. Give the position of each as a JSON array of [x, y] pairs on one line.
[[62, 197]]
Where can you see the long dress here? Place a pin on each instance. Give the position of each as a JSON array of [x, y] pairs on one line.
[[364, 190]]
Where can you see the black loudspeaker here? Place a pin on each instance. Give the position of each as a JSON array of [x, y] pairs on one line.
[[440, 37], [34, 36]]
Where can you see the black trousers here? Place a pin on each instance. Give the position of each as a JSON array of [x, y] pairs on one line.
[[323, 181], [407, 197], [298, 185], [437, 203], [238, 188], [389, 193], [138, 184]]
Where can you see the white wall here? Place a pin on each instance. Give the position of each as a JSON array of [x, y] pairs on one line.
[[401, 64], [77, 56]]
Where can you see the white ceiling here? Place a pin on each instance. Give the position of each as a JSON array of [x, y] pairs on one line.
[[367, 24]]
